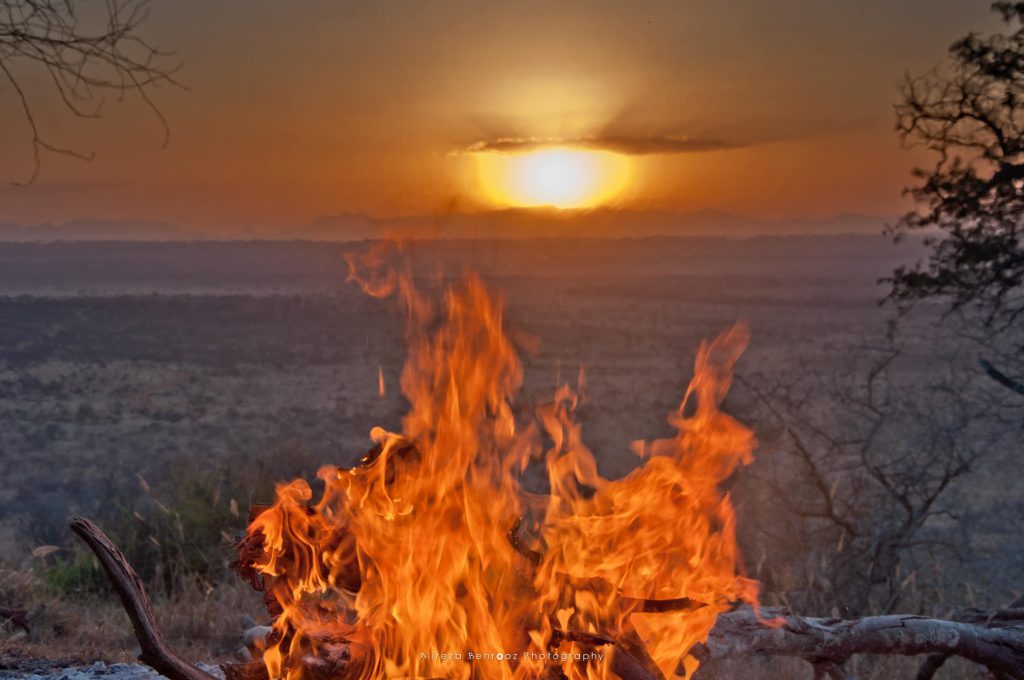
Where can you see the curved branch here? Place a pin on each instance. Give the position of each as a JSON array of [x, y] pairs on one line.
[[155, 652]]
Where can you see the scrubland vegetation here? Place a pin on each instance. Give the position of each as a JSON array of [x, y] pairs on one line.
[[881, 483]]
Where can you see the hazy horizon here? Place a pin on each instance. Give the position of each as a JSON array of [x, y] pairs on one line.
[[516, 223]]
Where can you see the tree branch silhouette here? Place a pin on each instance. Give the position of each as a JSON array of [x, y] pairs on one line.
[[85, 61], [971, 203]]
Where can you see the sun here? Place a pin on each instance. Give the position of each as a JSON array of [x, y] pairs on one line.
[[556, 177]]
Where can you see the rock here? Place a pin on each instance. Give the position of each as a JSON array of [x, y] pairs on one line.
[[96, 671], [255, 638]]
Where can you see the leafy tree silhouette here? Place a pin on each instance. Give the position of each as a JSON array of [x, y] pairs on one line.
[[970, 204]]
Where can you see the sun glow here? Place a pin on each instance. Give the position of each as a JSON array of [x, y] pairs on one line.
[[556, 177]]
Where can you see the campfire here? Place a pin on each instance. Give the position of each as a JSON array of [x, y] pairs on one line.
[[429, 559], [432, 558]]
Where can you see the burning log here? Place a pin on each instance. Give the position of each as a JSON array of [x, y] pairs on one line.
[[333, 661], [624, 664], [253, 670], [155, 652]]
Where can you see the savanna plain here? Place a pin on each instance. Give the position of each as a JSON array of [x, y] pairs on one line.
[[163, 388]]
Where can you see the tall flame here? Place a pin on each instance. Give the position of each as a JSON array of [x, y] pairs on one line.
[[429, 559]]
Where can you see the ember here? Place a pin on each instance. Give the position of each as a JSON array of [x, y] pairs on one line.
[[430, 548]]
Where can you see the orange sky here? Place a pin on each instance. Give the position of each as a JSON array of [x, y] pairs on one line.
[[300, 110]]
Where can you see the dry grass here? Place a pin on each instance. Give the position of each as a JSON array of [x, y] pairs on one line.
[[203, 623]]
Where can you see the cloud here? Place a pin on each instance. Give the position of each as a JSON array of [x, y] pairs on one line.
[[625, 144], [620, 135]]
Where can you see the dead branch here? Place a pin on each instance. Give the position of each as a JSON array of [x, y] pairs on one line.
[[155, 652], [828, 643], [1009, 617]]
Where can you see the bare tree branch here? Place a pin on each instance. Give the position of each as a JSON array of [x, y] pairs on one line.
[[128, 585], [84, 60]]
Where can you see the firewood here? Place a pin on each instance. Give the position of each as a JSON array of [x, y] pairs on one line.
[[155, 652], [623, 664], [629, 640], [1011, 616], [652, 606], [634, 604], [331, 661], [830, 642], [254, 670], [627, 667], [519, 545], [249, 549]]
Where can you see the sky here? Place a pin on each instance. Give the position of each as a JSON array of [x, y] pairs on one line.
[[296, 111]]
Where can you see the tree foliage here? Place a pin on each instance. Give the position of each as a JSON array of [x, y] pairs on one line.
[[971, 203], [87, 50]]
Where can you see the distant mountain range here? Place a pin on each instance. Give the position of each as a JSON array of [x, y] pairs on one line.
[[520, 223], [95, 230], [513, 223]]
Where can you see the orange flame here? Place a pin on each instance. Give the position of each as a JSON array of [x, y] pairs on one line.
[[429, 560]]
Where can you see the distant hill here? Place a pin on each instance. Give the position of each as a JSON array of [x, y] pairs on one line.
[[513, 223], [94, 230], [258, 267], [522, 223]]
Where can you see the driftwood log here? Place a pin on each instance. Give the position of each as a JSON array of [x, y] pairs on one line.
[[992, 639]]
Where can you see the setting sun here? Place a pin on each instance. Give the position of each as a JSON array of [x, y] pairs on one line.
[[557, 177]]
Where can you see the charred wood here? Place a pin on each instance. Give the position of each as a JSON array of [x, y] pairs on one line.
[[623, 664], [254, 670]]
